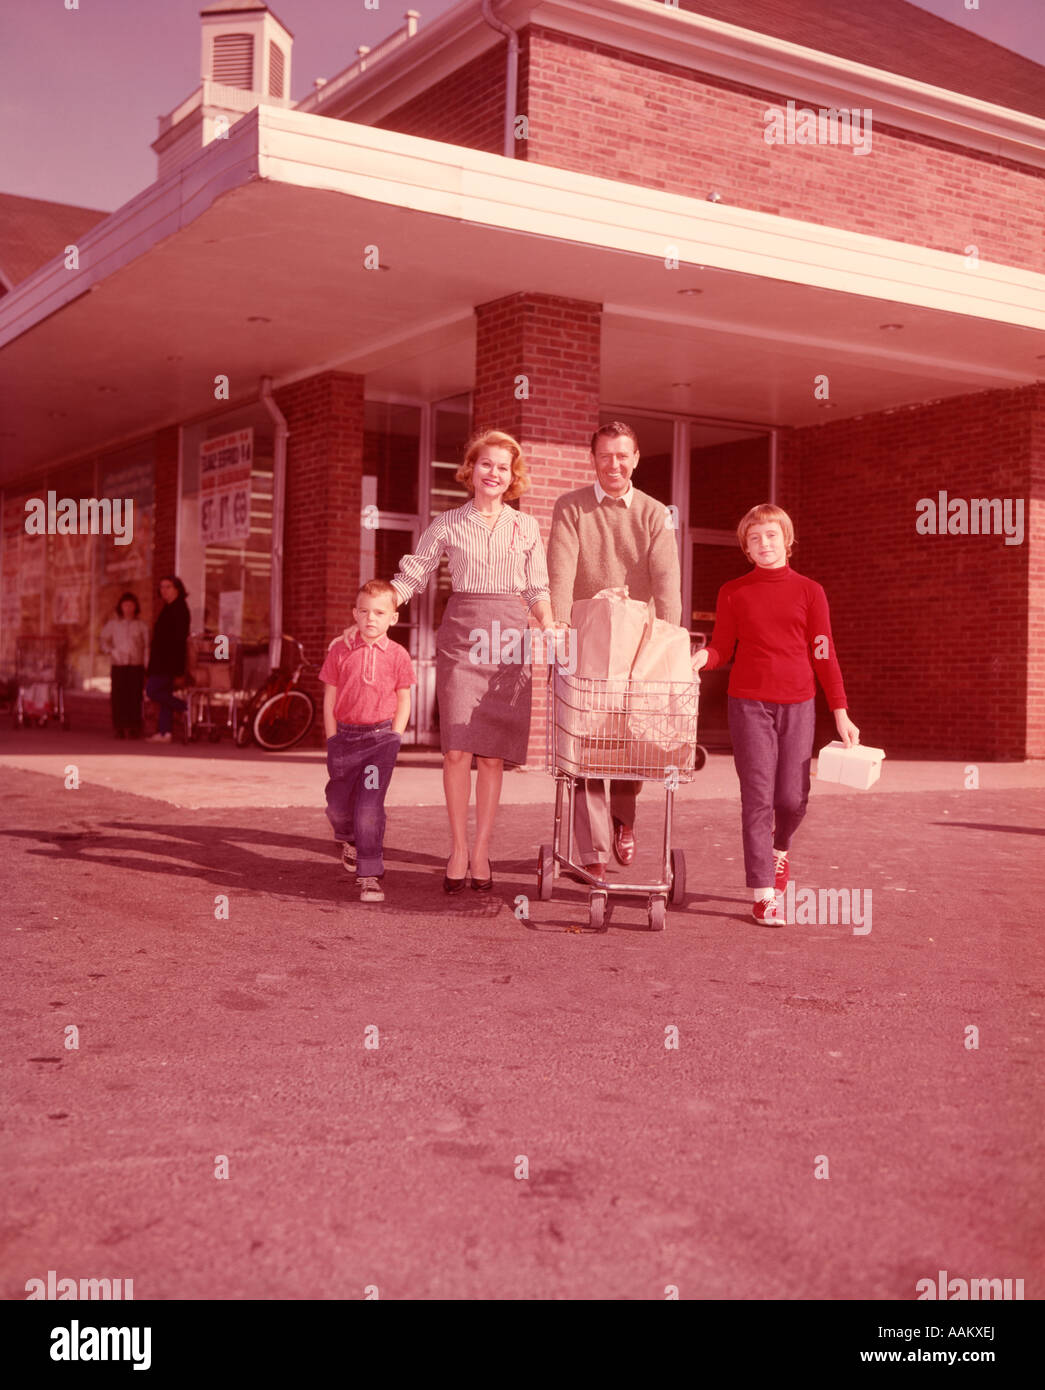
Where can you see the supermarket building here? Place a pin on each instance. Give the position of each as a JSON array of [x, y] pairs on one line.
[[802, 254]]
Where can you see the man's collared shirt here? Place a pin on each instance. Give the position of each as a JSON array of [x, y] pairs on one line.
[[601, 494]]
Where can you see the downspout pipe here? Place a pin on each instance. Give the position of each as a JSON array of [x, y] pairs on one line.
[[279, 493], [511, 84]]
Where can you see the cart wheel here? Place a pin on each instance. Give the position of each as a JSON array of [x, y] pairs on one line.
[[242, 735], [597, 911], [657, 911], [545, 873], [700, 757], [678, 877]]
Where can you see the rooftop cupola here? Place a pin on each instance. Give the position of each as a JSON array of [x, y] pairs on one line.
[[244, 61]]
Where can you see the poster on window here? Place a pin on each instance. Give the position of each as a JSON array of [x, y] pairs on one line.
[[225, 467]]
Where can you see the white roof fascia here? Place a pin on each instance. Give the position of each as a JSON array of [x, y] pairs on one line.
[[133, 229], [541, 200], [656, 30], [517, 197]]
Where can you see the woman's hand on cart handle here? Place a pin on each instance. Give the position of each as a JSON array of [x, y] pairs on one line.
[[847, 730], [699, 661]]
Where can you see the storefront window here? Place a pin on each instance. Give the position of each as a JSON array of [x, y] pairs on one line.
[[66, 586], [225, 523], [391, 440]]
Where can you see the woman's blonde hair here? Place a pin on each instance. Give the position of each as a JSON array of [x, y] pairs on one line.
[[496, 439], [759, 516]]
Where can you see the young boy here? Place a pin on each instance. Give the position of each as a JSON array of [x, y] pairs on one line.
[[779, 623], [366, 706]]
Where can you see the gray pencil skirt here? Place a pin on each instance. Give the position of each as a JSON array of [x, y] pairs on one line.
[[484, 699]]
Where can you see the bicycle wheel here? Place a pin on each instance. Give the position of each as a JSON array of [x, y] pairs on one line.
[[284, 720]]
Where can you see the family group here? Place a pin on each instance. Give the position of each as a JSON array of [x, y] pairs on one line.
[[772, 622]]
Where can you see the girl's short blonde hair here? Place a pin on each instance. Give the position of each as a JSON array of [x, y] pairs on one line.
[[759, 516], [496, 439]]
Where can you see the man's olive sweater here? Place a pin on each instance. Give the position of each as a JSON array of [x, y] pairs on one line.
[[606, 545]]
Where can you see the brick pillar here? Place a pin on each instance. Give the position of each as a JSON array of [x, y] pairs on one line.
[[165, 516], [554, 344], [324, 417]]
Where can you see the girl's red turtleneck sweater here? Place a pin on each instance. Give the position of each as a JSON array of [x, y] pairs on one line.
[[775, 618]]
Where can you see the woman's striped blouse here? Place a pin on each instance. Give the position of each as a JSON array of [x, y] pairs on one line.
[[507, 559]]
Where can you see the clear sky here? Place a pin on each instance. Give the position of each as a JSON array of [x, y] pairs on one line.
[[80, 90]]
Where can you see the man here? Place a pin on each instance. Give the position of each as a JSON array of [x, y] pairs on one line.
[[609, 536]]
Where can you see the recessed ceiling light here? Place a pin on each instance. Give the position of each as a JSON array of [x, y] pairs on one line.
[[890, 327], [689, 291], [257, 318]]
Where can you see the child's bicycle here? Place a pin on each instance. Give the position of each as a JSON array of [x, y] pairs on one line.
[[279, 715]]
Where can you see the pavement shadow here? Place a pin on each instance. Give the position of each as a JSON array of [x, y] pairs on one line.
[[302, 867], [1005, 829]]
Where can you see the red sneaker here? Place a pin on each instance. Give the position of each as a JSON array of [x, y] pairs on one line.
[[768, 913], [781, 870]]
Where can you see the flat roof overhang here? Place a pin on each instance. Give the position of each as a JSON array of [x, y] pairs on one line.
[[249, 262]]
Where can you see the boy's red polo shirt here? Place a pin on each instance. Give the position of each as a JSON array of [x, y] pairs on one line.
[[367, 676]]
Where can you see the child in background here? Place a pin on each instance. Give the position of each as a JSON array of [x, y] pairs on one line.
[[366, 707], [125, 638], [778, 621]]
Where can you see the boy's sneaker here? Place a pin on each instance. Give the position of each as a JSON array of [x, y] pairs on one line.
[[781, 871], [370, 890], [768, 913], [348, 857]]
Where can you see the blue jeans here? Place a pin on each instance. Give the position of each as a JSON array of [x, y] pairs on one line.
[[772, 749], [160, 689], [360, 762]]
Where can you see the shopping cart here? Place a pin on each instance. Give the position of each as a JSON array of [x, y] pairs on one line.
[[215, 698], [40, 681], [625, 729]]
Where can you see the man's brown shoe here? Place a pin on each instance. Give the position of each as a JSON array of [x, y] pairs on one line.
[[623, 842]]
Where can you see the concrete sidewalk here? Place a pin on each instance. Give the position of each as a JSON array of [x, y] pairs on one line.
[[203, 775]]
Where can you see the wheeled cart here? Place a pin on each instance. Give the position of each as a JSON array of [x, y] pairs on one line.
[[628, 730], [40, 664]]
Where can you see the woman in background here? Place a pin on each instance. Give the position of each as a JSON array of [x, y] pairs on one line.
[[167, 659]]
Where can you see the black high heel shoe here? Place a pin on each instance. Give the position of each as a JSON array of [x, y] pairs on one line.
[[482, 885], [453, 885]]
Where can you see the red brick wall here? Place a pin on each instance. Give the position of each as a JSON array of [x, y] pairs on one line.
[[933, 632], [598, 110], [165, 517], [1036, 567], [466, 108], [554, 343], [323, 505]]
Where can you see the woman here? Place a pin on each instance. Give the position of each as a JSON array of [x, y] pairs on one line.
[[498, 570], [167, 658], [126, 639]]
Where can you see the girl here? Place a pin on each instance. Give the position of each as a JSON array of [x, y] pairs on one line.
[[779, 623], [126, 639]]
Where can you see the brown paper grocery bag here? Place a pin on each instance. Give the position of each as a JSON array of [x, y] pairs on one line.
[[609, 631]]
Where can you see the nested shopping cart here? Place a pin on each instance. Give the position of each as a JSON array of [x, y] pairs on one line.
[[40, 672], [628, 730]]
